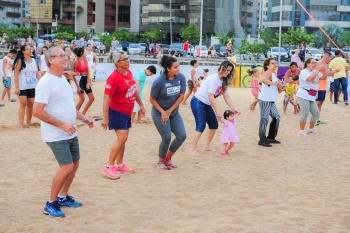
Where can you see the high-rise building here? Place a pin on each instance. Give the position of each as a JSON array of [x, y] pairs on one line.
[[94, 16], [11, 12], [323, 11], [156, 14]]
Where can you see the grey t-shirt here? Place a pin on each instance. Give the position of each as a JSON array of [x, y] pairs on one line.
[[166, 92]]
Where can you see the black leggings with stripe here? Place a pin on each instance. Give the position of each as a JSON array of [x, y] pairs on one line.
[[268, 109]]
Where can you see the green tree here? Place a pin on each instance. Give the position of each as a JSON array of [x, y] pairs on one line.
[[107, 39], [66, 29], [294, 37], [269, 37], [335, 33], [122, 34], [346, 38], [191, 33], [154, 35], [25, 32], [64, 35]]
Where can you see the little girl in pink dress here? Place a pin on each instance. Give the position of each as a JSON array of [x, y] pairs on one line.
[[229, 134]]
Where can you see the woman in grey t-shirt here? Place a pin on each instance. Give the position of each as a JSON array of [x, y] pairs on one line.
[[167, 93]]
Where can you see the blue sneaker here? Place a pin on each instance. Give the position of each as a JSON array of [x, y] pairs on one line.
[[53, 209], [68, 201]]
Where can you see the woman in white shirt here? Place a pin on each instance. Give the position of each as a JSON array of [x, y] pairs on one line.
[[271, 87], [204, 107], [307, 93]]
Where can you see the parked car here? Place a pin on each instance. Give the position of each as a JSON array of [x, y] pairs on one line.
[[221, 52], [125, 45], [249, 56], [275, 51], [47, 36], [134, 49], [291, 52], [203, 51], [143, 46], [120, 48], [166, 49], [177, 48], [316, 53]]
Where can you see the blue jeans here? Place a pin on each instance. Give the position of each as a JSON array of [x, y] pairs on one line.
[[203, 114], [175, 125], [344, 85]]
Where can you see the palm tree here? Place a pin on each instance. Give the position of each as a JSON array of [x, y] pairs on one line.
[[335, 33]]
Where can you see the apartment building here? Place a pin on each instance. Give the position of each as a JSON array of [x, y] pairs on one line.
[[293, 16], [11, 11], [158, 14], [94, 16]]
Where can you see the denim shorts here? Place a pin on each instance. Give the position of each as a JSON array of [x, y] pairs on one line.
[[65, 151], [118, 120], [203, 114]]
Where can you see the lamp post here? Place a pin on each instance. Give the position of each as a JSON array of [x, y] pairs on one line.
[[201, 29], [56, 15], [171, 26], [279, 36], [75, 19]]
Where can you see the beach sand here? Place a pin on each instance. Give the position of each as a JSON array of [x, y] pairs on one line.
[[301, 185]]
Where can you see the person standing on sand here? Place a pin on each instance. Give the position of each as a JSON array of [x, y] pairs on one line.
[[119, 98], [54, 106], [26, 76], [204, 107]]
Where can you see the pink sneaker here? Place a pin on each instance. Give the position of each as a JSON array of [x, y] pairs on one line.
[[169, 164], [124, 169], [224, 153], [111, 172]]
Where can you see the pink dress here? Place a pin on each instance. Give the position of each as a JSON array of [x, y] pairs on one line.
[[229, 132], [254, 86]]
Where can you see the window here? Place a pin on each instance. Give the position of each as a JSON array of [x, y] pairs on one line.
[[93, 6], [93, 18], [124, 14]]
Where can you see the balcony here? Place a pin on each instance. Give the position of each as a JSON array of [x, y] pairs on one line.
[[13, 14], [5, 3], [70, 8]]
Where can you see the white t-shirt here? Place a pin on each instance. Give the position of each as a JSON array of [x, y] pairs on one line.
[[43, 66], [269, 93], [302, 93], [57, 94], [27, 76], [211, 84], [8, 67]]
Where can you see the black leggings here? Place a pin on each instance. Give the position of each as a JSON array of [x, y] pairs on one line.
[[82, 84]]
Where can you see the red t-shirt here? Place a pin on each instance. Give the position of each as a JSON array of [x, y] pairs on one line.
[[122, 91], [186, 46]]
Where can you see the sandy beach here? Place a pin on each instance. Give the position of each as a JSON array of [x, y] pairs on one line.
[[301, 185]]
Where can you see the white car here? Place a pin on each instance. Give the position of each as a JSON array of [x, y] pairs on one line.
[[134, 49], [316, 53], [203, 52], [274, 51]]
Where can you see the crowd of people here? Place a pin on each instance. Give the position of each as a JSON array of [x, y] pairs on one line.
[[44, 91]]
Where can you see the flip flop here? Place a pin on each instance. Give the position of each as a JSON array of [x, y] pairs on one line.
[[13, 100], [2, 105]]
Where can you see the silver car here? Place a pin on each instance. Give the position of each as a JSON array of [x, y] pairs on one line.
[[134, 49]]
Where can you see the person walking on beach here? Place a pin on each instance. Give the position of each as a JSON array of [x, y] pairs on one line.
[[114, 45], [254, 86], [81, 67], [302, 49], [140, 78], [6, 73], [26, 76], [92, 60], [54, 106], [340, 77], [204, 107], [193, 82], [147, 47], [118, 101], [167, 92], [309, 81], [271, 87], [229, 134], [42, 65], [185, 48]]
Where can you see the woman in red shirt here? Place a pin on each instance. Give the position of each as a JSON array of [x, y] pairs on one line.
[[118, 102], [81, 67]]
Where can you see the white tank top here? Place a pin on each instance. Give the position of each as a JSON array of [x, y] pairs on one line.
[[43, 66], [196, 75], [90, 59], [269, 93], [8, 67], [27, 76]]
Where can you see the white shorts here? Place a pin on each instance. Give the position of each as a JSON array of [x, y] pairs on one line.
[[137, 106]]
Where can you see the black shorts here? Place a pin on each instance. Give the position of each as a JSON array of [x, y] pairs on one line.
[[29, 93], [321, 95], [82, 84]]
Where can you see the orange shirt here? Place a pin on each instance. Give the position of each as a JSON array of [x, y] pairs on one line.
[[322, 85]]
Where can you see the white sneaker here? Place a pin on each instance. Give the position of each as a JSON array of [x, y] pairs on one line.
[[302, 133], [310, 131]]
